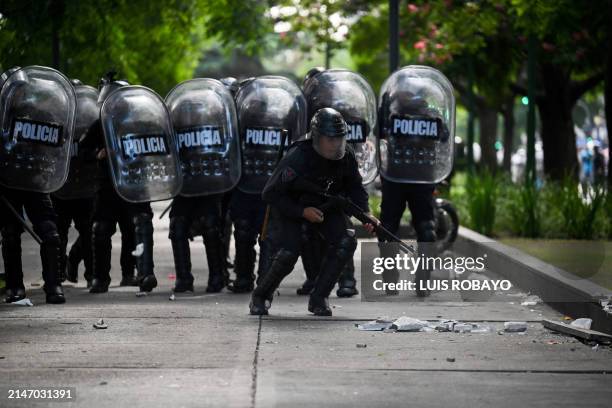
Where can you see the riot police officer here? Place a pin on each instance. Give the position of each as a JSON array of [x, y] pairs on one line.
[[270, 109], [416, 142], [37, 112], [351, 95], [137, 164], [204, 117], [324, 162]]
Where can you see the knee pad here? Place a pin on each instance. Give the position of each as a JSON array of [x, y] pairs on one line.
[[210, 226], [179, 228], [243, 231], [102, 230], [426, 231], [346, 247], [286, 257], [48, 233]]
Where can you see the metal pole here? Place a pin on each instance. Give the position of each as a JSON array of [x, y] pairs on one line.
[[530, 169], [470, 123], [393, 35]]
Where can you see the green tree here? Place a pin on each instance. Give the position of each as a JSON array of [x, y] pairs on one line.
[[154, 43]]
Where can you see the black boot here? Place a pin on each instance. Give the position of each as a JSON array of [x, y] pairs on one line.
[[143, 232], [101, 256], [50, 257], [347, 285], [337, 256], [281, 266], [11, 253], [179, 228], [128, 279], [244, 263], [218, 277]]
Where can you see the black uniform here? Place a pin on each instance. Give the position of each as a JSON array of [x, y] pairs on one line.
[[133, 218], [39, 210], [77, 210], [287, 198], [205, 211]]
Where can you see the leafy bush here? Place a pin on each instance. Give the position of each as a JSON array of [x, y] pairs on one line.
[[481, 199]]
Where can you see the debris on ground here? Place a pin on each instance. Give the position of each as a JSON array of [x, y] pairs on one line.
[[172, 297], [578, 332], [23, 302], [515, 327], [141, 294], [531, 300], [582, 323], [375, 325], [100, 324], [450, 359], [361, 345], [408, 324]]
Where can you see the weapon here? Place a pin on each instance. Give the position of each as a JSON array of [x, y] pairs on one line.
[[352, 209], [281, 149], [21, 220], [165, 211]]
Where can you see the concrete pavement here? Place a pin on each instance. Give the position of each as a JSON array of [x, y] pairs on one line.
[[205, 350]]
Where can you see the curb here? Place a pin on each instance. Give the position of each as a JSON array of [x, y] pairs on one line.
[[573, 297]]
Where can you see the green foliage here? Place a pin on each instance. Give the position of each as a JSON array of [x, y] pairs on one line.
[[579, 211], [482, 192], [525, 210], [149, 42]]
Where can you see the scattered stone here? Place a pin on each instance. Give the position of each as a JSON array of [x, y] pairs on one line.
[[100, 324], [141, 294], [515, 327], [408, 324], [586, 334], [361, 345], [531, 301], [450, 359], [375, 325], [582, 323], [172, 297]]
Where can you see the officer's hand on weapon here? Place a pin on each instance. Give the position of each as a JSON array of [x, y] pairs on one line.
[[371, 228], [101, 154], [313, 214]]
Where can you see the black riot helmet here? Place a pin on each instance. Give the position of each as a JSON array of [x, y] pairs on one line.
[[108, 84], [311, 73], [328, 133]]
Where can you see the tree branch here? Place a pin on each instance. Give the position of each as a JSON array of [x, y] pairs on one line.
[[579, 88]]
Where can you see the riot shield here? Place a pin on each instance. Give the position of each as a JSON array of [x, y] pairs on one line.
[[140, 145], [204, 118], [351, 95], [267, 107], [37, 115], [83, 163], [417, 126]]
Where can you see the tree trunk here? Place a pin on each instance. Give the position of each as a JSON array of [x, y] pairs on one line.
[[608, 110], [557, 132], [487, 122], [508, 134]]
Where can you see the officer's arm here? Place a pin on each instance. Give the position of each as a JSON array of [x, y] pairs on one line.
[[277, 189], [356, 192]]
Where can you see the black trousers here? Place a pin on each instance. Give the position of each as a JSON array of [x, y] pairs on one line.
[[80, 211], [395, 196]]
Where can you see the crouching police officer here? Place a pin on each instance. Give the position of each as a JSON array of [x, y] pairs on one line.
[[321, 161]]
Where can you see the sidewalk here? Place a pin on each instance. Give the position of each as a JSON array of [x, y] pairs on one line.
[[205, 350]]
